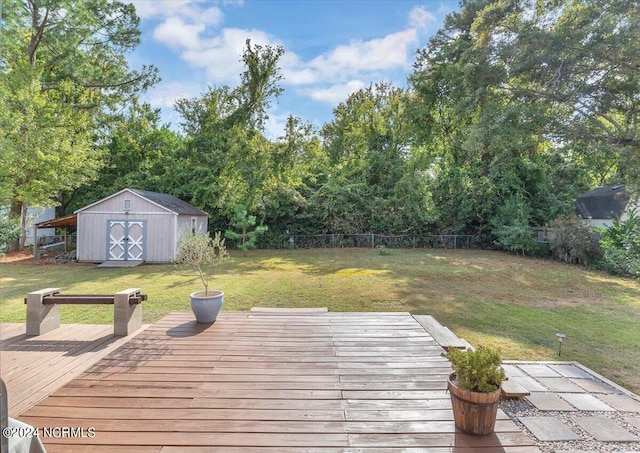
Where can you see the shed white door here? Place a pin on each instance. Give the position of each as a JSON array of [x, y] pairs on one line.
[[125, 240]]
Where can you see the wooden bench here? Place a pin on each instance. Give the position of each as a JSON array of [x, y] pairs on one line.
[[43, 309]]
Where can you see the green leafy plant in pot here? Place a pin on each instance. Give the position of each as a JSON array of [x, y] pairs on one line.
[[201, 251], [475, 387]]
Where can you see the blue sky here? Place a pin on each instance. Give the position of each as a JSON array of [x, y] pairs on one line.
[[332, 48]]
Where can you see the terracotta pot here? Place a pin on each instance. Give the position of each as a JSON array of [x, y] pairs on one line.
[[474, 412], [206, 307]]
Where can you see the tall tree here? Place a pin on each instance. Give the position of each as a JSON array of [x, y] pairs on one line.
[[138, 153], [375, 185], [515, 100], [227, 155], [65, 60]]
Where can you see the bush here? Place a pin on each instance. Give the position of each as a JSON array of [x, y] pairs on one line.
[[574, 242], [9, 231], [621, 244], [477, 371], [512, 226]]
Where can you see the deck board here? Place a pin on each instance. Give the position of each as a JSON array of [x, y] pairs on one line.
[[34, 367], [269, 381]]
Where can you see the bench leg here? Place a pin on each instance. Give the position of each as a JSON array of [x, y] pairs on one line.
[[42, 318], [126, 318]]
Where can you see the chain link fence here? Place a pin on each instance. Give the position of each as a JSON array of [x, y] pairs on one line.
[[370, 240]]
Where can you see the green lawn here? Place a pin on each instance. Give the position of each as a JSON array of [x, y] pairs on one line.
[[485, 297]]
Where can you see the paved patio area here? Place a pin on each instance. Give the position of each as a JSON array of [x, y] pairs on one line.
[[570, 403], [256, 381]]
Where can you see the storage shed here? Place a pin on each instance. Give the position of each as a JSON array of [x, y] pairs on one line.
[[135, 225], [603, 204]]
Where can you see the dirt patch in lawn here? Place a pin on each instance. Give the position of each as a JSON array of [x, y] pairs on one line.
[[14, 257]]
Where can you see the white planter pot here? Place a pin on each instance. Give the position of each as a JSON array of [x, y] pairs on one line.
[[206, 307]]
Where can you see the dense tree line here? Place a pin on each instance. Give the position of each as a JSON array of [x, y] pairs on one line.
[[513, 109]]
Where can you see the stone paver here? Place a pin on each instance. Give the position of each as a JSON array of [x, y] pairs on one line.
[[593, 386], [539, 370], [529, 383], [560, 385], [633, 421], [545, 401], [549, 429], [586, 402], [623, 403], [604, 429], [571, 371], [512, 370]]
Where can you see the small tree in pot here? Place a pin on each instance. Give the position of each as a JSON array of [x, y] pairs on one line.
[[475, 389], [199, 250]]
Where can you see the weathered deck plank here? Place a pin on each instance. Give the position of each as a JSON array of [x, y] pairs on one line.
[[269, 381], [34, 367]]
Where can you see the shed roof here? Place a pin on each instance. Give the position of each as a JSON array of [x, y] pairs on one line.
[[170, 202], [603, 202], [164, 200], [60, 222]]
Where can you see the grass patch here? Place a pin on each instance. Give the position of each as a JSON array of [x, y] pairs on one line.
[[485, 297]]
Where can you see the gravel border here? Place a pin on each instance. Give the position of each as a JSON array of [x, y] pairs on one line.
[[516, 408]]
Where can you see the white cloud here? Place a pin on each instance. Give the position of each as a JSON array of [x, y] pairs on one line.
[[189, 9], [336, 93], [274, 127], [221, 56], [360, 57], [419, 17], [166, 94], [193, 29], [174, 32]]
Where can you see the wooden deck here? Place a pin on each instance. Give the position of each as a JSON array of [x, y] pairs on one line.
[[34, 367], [268, 381]]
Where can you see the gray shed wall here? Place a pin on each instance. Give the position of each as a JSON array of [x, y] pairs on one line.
[[161, 228]]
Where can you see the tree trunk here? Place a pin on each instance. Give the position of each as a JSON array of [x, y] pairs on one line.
[[19, 210]]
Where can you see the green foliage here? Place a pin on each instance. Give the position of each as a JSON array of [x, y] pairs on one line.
[[227, 160], [621, 244], [245, 237], [574, 242], [139, 153], [376, 182], [477, 371], [511, 226], [383, 251], [62, 73], [9, 231], [198, 250], [504, 105]]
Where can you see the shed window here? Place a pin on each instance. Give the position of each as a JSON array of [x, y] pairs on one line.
[[127, 205], [194, 224]]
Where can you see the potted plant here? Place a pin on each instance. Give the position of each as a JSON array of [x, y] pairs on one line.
[[199, 250], [475, 387]]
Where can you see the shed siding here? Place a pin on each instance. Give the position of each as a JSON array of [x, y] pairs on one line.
[[116, 205], [92, 235], [161, 227], [184, 225], [160, 244]]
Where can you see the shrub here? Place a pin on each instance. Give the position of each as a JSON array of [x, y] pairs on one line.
[[477, 371], [198, 250], [574, 242], [512, 226], [9, 231], [621, 244]]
